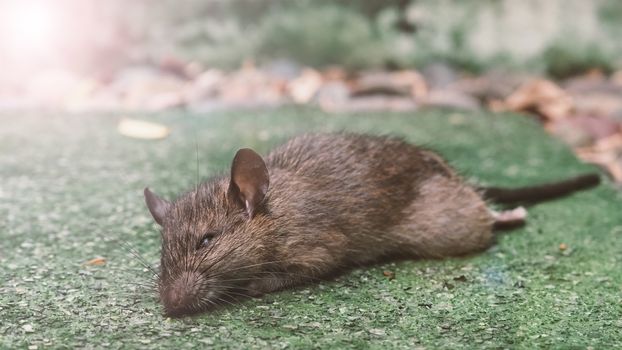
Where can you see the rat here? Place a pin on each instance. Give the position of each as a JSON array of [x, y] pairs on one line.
[[318, 206]]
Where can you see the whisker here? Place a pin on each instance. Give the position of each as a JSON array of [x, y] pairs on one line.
[[140, 284], [150, 277], [275, 273], [226, 301], [240, 294], [248, 266], [139, 257], [196, 139], [220, 259]]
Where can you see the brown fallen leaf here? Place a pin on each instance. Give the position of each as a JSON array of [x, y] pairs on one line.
[[600, 158], [610, 161], [140, 129], [96, 261], [389, 274], [541, 96], [613, 142]]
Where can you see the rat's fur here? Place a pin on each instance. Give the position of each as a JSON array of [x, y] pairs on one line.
[[334, 201]]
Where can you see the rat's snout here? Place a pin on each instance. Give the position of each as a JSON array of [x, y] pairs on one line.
[[181, 296]]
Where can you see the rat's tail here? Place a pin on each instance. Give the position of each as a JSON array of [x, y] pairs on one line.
[[542, 192]]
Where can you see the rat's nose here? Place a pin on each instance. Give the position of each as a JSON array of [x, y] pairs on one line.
[[179, 297]]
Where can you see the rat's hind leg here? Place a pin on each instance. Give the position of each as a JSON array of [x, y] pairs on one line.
[[447, 218], [509, 219]]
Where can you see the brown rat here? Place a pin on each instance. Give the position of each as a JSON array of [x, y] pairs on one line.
[[317, 206]]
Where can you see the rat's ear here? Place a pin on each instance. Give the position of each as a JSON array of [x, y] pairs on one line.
[[249, 180], [157, 206]]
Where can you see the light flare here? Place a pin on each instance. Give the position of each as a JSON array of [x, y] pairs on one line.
[[30, 27]]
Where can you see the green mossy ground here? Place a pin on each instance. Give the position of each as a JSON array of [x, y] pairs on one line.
[[71, 190]]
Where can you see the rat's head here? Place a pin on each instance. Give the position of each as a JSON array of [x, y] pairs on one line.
[[213, 238]]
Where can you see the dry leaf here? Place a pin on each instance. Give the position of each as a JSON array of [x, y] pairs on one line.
[[97, 261], [389, 274], [140, 129], [543, 97], [608, 160], [613, 142]]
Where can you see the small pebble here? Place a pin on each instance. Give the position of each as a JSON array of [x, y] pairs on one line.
[[377, 331], [206, 341], [28, 328]]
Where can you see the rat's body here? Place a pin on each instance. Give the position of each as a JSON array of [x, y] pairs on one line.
[[319, 205]]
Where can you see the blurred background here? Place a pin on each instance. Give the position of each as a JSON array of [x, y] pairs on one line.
[[100, 98], [559, 60]]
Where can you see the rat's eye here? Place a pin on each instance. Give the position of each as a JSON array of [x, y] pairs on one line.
[[206, 239]]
